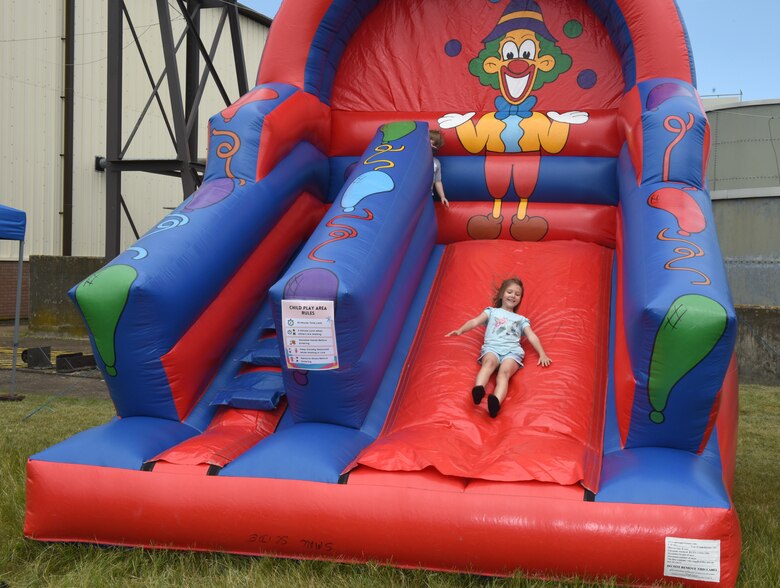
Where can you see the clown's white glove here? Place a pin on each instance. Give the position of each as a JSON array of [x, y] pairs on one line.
[[452, 120], [575, 117]]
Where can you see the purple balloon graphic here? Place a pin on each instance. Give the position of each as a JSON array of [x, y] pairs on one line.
[[453, 47], [587, 79], [312, 284], [210, 193], [663, 92], [300, 377]]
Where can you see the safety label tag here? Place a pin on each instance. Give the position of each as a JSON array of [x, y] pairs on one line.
[[692, 559], [309, 334]]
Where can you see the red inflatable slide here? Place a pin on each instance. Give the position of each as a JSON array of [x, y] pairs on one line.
[[551, 427]]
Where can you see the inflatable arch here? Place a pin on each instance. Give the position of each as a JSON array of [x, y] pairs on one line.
[[275, 346]]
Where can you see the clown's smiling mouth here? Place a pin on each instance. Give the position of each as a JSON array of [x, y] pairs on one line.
[[515, 86]]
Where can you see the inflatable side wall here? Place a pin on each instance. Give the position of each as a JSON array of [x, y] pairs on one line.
[[396, 172], [162, 315], [677, 314]]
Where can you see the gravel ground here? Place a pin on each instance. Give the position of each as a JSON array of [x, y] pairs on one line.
[[47, 381]]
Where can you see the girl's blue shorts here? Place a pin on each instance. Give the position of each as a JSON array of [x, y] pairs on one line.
[[517, 356]]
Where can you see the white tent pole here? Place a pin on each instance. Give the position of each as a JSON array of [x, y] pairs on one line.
[[18, 313]]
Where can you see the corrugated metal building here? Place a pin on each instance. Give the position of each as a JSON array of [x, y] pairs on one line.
[[32, 116], [744, 181]]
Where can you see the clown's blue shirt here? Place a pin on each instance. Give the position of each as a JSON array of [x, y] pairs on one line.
[[512, 116]]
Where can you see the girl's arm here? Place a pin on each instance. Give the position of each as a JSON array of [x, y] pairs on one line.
[[439, 187], [544, 361], [468, 325]]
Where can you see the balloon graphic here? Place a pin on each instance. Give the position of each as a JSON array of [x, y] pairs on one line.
[[102, 298], [692, 327], [365, 185], [397, 130], [301, 377], [210, 193], [683, 206], [312, 284], [663, 92], [253, 96]]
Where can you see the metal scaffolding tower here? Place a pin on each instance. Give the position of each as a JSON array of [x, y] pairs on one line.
[[181, 114]]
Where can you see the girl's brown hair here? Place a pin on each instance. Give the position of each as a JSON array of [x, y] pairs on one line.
[[504, 285], [437, 137]]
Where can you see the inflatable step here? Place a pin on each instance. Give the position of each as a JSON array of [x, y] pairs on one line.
[[260, 390], [232, 432], [264, 354], [265, 322]]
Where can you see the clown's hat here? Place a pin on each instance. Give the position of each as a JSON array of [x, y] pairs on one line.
[[520, 14]]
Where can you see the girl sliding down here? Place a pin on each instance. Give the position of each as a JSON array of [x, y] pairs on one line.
[[501, 349]]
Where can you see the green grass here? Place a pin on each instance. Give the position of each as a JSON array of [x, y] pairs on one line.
[[756, 485], [30, 563]]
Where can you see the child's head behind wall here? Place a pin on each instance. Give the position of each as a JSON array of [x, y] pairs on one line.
[[437, 139]]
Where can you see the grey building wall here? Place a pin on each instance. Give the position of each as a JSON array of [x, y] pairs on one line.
[[32, 116], [744, 180]]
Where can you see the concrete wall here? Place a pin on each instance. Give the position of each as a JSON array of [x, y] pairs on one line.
[[758, 345], [51, 310], [9, 271]]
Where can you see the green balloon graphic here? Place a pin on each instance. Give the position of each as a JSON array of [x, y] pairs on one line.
[[102, 298], [690, 330], [396, 130]]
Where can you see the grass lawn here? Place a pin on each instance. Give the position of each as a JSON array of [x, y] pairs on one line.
[[30, 563]]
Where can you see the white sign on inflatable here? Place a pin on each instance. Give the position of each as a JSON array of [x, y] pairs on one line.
[[692, 559], [309, 334]]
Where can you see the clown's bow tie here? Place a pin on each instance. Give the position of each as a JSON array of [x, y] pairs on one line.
[[505, 109]]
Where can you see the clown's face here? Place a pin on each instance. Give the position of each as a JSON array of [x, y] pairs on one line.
[[518, 64]]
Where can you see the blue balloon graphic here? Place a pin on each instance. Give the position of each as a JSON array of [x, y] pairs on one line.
[[365, 185]]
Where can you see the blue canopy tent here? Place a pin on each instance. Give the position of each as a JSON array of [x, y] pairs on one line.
[[12, 226]]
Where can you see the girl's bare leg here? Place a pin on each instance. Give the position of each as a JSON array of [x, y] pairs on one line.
[[507, 369], [489, 365]]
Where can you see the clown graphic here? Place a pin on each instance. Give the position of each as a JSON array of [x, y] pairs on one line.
[[520, 55]]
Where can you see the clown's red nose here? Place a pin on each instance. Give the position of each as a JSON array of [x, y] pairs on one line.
[[518, 66]]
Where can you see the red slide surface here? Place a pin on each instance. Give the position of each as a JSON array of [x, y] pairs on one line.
[[550, 426]]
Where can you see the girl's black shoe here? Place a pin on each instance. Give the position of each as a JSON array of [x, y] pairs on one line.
[[494, 405], [478, 393]]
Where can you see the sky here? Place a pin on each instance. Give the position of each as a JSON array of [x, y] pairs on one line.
[[736, 45]]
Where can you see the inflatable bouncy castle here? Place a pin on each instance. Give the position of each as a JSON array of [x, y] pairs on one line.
[[275, 347]]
